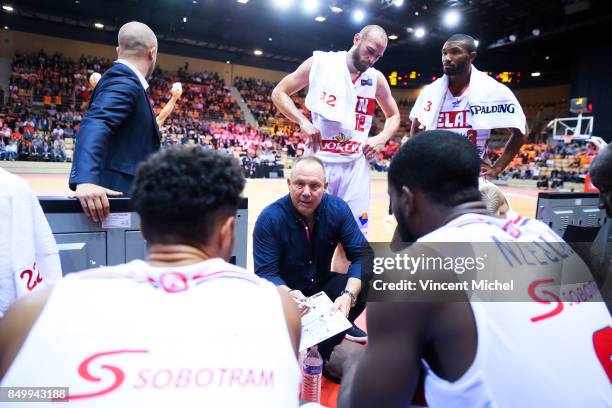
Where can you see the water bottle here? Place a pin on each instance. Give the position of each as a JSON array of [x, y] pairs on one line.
[[312, 368]]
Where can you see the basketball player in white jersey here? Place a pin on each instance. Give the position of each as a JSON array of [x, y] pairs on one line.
[[185, 328], [346, 152], [458, 54], [518, 353]]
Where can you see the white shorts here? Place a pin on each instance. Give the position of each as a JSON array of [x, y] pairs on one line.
[[351, 182]]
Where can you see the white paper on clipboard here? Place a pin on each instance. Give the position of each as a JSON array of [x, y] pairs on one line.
[[320, 323]]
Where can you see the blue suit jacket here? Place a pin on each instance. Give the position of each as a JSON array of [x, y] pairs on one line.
[[118, 132]]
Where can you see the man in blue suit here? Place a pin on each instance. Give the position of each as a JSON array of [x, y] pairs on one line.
[[119, 130]]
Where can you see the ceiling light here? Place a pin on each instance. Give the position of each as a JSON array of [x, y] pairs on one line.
[[476, 42], [258, 52], [393, 37], [336, 9], [195, 2], [451, 18], [99, 25], [398, 3], [419, 33], [310, 5], [358, 15], [7, 8], [536, 32], [283, 3], [535, 74], [240, 1], [320, 19]]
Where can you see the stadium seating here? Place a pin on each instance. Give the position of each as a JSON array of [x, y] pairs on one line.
[[49, 94]]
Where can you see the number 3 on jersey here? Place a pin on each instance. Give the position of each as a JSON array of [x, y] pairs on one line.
[[329, 99]]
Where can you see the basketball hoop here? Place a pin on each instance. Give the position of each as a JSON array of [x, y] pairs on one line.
[[569, 129]]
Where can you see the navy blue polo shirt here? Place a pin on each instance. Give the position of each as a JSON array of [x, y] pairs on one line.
[[286, 253]]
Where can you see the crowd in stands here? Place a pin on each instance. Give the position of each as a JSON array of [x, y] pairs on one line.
[[46, 98], [204, 98], [42, 108], [257, 94], [53, 80], [552, 165]]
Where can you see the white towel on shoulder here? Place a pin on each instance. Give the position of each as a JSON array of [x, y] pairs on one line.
[[331, 92], [493, 105], [29, 258]]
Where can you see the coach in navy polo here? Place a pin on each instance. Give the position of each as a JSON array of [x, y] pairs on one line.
[[295, 238]]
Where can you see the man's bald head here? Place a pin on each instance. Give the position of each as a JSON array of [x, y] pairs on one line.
[[307, 185], [373, 31], [313, 164], [138, 45], [135, 38], [369, 45]]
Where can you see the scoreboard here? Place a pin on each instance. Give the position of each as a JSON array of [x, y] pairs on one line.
[[507, 77], [403, 78], [413, 78]]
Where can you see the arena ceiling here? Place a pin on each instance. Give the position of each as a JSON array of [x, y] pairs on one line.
[[512, 34]]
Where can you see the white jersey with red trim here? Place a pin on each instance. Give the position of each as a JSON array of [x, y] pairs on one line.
[[552, 352], [456, 116], [209, 334], [341, 145]]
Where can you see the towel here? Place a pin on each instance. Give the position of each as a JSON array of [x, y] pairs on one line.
[[29, 257], [331, 92], [493, 105]]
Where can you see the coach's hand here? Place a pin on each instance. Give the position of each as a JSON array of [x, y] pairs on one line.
[[94, 200], [313, 134], [301, 301], [343, 304], [374, 145]]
